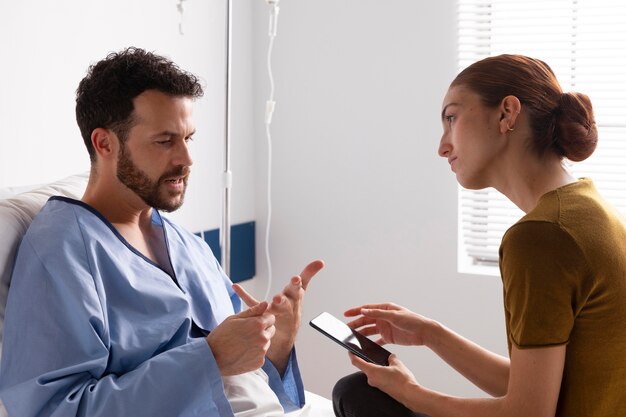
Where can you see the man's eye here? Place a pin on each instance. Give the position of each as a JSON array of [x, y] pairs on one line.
[[450, 119], [164, 142], [189, 139]]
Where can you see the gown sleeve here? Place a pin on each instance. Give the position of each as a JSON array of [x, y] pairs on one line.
[[289, 388], [57, 346]]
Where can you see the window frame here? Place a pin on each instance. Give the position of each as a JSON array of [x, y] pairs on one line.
[[575, 37]]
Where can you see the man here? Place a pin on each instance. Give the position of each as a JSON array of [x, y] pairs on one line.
[[117, 311]]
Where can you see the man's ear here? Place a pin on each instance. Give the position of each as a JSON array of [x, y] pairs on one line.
[[105, 143], [510, 108]]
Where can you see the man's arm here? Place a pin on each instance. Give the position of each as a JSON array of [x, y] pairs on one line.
[[288, 387], [58, 345], [282, 365]]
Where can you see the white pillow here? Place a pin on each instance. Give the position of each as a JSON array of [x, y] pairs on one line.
[[16, 214]]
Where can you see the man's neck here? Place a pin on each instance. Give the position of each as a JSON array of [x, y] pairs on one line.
[[118, 204], [131, 217]]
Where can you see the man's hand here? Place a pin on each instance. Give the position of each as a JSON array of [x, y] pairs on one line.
[[287, 307], [240, 343]]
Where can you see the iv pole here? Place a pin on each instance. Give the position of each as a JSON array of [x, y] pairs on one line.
[[227, 177]]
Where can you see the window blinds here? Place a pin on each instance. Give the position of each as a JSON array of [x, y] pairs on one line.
[[584, 42]]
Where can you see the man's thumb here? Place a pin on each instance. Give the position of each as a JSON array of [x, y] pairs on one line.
[[253, 311]]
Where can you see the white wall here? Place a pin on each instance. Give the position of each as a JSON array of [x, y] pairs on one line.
[[357, 180], [46, 47]]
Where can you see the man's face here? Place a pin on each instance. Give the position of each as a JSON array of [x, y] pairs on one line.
[[154, 160]]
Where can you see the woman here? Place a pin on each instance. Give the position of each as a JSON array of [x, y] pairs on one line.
[[508, 125]]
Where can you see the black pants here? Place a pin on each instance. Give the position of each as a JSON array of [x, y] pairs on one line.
[[354, 397]]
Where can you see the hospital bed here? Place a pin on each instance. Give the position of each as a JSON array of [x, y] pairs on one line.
[[18, 207]]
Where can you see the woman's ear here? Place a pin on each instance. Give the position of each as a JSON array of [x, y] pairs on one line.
[[104, 142], [510, 108]]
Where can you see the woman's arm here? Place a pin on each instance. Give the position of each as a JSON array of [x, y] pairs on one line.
[[397, 325], [485, 369], [533, 387]]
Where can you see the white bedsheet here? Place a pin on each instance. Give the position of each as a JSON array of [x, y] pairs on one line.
[[250, 396]]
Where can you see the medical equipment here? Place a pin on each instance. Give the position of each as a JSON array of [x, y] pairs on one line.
[[227, 175], [269, 111]]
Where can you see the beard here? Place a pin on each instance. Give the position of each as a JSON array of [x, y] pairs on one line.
[[148, 190]]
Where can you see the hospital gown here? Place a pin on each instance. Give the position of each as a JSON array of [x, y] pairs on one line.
[[94, 328]]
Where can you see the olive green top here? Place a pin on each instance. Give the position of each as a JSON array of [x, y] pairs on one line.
[[563, 267]]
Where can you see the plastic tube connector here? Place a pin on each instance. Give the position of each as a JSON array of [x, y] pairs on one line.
[[269, 111], [273, 20], [227, 179]]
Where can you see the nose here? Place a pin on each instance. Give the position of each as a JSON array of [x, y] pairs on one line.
[[444, 146], [183, 156]]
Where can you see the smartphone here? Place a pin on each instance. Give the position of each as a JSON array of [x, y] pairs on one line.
[[355, 342]]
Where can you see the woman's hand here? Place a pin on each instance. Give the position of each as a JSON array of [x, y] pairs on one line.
[[533, 389], [394, 324], [395, 380]]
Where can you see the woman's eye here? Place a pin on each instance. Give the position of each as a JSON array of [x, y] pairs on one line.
[[449, 119]]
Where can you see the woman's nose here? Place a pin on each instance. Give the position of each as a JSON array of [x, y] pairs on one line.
[[444, 147]]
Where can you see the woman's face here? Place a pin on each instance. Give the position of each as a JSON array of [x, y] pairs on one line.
[[470, 138]]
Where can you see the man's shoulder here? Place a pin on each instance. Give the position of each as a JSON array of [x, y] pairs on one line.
[[57, 213], [60, 222]]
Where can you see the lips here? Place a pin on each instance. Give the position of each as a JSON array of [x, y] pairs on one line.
[[177, 184], [175, 180], [451, 161], [180, 173]]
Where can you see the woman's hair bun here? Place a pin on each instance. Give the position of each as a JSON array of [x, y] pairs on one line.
[[576, 134]]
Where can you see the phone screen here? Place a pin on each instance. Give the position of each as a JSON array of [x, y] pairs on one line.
[[352, 340]]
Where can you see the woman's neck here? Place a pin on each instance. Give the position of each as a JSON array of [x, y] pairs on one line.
[[530, 178]]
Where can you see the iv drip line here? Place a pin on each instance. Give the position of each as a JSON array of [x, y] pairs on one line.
[[181, 10], [269, 110]]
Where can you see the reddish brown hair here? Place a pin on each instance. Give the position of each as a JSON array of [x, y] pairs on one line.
[[561, 122]]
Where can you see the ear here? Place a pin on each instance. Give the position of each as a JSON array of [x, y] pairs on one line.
[[510, 108], [104, 142]]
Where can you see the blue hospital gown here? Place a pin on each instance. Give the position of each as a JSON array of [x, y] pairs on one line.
[[94, 328]]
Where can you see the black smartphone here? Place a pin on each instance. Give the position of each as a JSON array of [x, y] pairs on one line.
[[355, 342]]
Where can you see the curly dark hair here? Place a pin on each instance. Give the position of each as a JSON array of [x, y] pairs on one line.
[[104, 98]]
